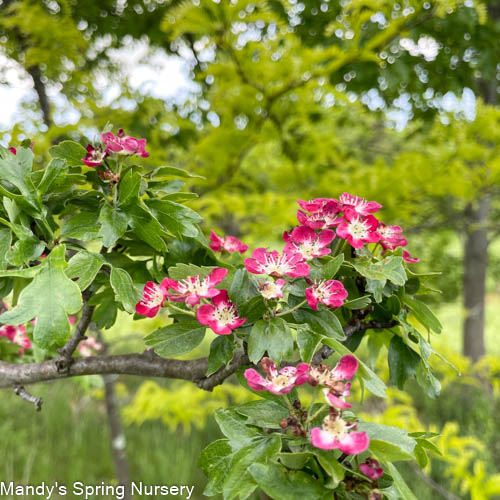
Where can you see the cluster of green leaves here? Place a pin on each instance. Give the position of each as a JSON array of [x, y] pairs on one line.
[[66, 230], [257, 453]]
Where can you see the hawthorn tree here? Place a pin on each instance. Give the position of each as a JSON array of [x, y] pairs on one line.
[[94, 232]]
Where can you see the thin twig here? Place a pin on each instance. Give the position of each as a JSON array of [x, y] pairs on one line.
[[20, 391], [433, 485], [65, 359]]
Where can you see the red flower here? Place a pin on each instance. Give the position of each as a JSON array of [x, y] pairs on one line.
[[305, 241], [390, 237], [408, 258], [371, 468], [222, 317], [358, 230], [263, 262], [124, 144], [228, 243], [358, 204], [330, 293], [153, 297], [95, 157]]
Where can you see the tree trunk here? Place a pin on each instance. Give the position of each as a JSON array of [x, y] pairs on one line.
[[474, 281], [43, 100], [117, 437]]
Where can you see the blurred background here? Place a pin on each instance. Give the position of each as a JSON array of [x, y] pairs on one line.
[[274, 101]]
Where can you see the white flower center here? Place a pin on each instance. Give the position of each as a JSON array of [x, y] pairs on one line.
[[276, 265], [335, 426], [358, 230], [269, 290], [224, 314], [308, 249], [281, 381]]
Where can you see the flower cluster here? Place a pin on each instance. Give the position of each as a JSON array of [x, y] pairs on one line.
[[221, 315], [335, 432], [120, 144]]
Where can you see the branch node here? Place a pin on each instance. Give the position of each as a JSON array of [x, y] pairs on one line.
[[21, 391]]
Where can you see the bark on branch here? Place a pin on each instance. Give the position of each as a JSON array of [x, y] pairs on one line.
[[148, 364]]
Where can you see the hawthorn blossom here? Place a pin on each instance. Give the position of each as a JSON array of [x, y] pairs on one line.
[[390, 237], [153, 297], [358, 230], [324, 217], [408, 258], [330, 293], [315, 205], [13, 150], [227, 243], [358, 204], [272, 289], [95, 157], [335, 433], [336, 397], [222, 317], [89, 347], [263, 262], [281, 382], [124, 144], [17, 335], [305, 241], [371, 468], [192, 289]]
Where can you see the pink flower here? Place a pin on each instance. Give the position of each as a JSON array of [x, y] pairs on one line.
[[371, 468], [95, 157], [359, 205], [89, 347], [331, 293], [305, 241], [358, 230], [335, 433], [222, 316], [153, 297], [228, 243], [323, 217], [390, 237], [272, 289], [17, 335], [263, 262], [315, 205], [345, 369], [281, 382], [191, 289], [13, 150], [336, 397], [124, 144], [408, 258]]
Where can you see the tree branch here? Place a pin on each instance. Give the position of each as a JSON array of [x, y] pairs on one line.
[[20, 391], [63, 363]]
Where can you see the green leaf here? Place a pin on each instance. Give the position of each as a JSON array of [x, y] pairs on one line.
[[54, 169], [308, 342], [173, 171], [384, 450], [147, 228], [17, 170], [424, 315], [50, 309], [106, 308], [178, 219], [176, 339], [84, 266], [5, 241], [277, 482], [403, 362], [253, 309], [295, 461], [421, 456], [372, 381], [427, 381], [82, 226], [70, 151], [395, 435], [215, 461], [273, 336], [129, 188], [331, 268], [263, 413], [359, 303], [238, 477], [322, 322], [399, 482], [391, 268], [242, 287], [221, 353], [330, 463], [233, 427], [124, 289], [113, 225]]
